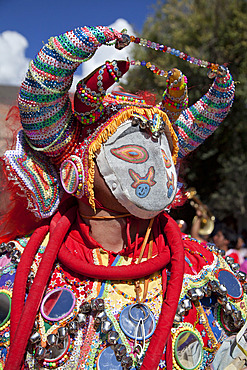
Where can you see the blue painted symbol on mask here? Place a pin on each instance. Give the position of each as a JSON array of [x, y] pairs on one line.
[[142, 190]]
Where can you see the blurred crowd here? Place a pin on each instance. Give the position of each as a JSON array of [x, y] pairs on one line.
[[234, 244]]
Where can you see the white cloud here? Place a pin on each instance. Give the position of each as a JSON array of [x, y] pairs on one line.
[[14, 64]]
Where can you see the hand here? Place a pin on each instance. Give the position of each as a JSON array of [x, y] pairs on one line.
[[123, 42]]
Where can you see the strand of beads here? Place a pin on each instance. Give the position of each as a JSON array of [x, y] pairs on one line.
[[172, 51]]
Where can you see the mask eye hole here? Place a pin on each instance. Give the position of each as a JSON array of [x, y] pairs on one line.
[[131, 153]]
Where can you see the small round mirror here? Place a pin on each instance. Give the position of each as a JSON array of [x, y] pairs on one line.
[[5, 307], [188, 350], [233, 286], [133, 317], [57, 304], [69, 176]]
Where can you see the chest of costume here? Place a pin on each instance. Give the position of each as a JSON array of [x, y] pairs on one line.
[[87, 324]]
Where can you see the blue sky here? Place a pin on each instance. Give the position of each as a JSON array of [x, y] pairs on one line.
[[37, 20]]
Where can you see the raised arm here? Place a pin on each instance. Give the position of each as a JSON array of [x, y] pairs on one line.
[[44, 102], [200, 120]]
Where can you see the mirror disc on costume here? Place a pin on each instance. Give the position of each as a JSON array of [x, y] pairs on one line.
[[5, 307], [188, 350], [107, 360], [130, 318], [233, 286], [55, 353], [69, 176], [57, 304]]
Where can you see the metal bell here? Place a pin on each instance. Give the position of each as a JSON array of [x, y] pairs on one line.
[[180, 310], [100, 317], [177, 319], [106, 326], [241, 276], [244, 286], [207, 290], [120, 351], [192, 294], [85, 307], [3, 248], [15, 256], [52, 339], [126, 362], [199, 293], [235, 267], [35, 337], [81, 318], [229, 260], [40, 353], [63, 332], [187, 304], [228, 308], [97, 304], [112, 337], [222, 290], [73, 326], [221, 252], [10, 246], [222, 300], [214, 285]]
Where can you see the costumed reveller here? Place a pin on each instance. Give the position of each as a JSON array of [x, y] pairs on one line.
[[101, 276]]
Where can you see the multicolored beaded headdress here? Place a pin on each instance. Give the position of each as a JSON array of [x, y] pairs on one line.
[[56, 141]]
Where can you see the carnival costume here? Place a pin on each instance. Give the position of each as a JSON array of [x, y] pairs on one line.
[[165, 301]]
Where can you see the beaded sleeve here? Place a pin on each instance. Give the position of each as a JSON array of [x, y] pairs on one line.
[[44, 102], [200, 120]]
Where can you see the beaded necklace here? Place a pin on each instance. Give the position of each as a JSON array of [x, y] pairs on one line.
[[167, 49]]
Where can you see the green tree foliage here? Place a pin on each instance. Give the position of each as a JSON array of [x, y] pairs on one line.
[[215, 31]]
